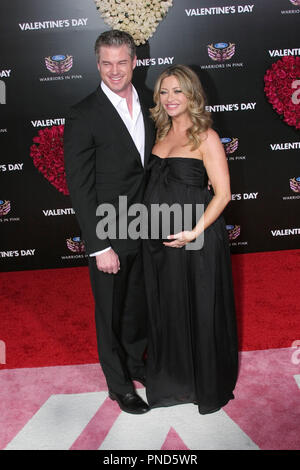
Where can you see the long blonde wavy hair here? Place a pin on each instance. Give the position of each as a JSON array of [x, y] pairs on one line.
[[193, 90]]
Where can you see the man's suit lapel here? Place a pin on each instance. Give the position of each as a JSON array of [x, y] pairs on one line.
[[119, 129]]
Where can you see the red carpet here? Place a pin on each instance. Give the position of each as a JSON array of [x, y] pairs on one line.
[[67, 407], [47, 316]]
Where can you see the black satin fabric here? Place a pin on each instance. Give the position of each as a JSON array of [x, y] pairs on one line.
[[192, 339]]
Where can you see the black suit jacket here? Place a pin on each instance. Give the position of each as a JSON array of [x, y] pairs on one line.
[[102, 163]]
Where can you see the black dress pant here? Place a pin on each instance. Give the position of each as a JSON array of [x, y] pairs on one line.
[[120, 313]]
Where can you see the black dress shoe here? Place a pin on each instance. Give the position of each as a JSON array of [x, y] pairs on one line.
[[141, 379], [130, 402]]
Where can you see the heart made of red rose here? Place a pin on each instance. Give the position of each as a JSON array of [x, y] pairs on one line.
[[282, 88], [48, 156]]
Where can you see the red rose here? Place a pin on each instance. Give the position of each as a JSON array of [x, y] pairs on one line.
[[278, 88], [48, 156]]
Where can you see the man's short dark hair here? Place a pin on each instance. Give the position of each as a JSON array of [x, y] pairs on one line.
[[115, 37]]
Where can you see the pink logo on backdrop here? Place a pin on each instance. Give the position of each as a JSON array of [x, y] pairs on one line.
[[75, 244], [221, 51], [295, 184], [4, 207], [233, 231], [59, 63], [230, 144]]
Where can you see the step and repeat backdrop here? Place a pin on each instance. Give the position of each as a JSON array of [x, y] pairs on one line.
[[247, 55]]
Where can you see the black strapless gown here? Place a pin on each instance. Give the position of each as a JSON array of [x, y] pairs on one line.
[[192, 347]]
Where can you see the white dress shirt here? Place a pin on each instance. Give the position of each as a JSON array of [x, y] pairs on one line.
[[134, 123]]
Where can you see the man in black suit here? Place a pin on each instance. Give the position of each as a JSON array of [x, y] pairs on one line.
[[108, 138]]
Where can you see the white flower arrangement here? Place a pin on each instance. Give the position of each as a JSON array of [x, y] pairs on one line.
[[139, 18]]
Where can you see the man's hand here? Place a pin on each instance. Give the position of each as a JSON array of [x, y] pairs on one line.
[[108, 262]]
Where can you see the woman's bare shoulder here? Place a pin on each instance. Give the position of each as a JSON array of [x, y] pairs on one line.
[[209, 138], [212, 135]]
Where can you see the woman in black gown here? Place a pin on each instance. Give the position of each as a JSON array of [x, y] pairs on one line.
[[192, 348]]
